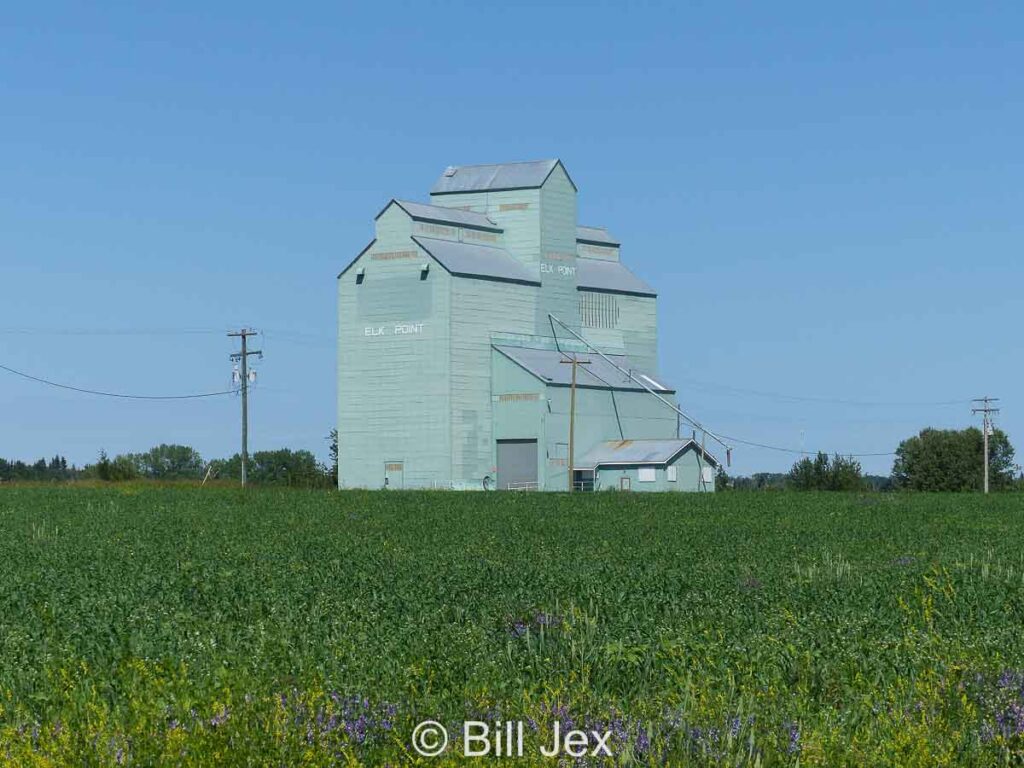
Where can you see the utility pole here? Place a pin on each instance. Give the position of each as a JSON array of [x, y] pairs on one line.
[[243, 357], [986, 410], [574, 362]]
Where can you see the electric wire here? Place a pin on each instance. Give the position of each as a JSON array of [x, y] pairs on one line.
[[108, 331], [804, 452], [120, 395], [751, 443], [299, 336], [711, 386], [696, 424]]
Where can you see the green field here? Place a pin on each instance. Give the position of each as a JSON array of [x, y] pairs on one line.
[[182, 626]]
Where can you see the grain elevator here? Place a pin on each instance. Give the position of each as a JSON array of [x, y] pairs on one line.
[[457, 326]]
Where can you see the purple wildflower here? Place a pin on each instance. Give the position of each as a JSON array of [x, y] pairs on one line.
[[643, 743], [735, 724], [794, 738], [219, 719]]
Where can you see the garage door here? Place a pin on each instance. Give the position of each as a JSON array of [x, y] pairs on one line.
[[517, 464]]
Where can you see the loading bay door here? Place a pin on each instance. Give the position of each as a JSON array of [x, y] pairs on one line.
[[517, 465]]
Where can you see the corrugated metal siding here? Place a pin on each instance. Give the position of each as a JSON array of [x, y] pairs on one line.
[[635, 333], [435, 398], [598, 418], [558, 252], [393, 369], [394, 226], [638, 322], [516, 212], [474, 317], [687, 477], [599, 252], [518, 407]]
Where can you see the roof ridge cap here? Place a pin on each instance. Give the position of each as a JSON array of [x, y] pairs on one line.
[[511, 162]]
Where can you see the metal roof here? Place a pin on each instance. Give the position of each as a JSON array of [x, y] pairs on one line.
[[493, 178], [596, 235], [438, 213], [470, 260], [632, 452], [610, 277], [547, 365]]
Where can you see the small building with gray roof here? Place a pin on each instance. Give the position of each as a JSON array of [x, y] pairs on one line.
[[648, 465]]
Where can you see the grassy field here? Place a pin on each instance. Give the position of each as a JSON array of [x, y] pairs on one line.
[[153, 626]]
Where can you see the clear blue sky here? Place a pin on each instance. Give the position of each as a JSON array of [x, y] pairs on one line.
[[833, 191]]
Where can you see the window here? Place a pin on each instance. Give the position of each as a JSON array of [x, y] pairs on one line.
[[646, 475], [670, 474], [707, 474]]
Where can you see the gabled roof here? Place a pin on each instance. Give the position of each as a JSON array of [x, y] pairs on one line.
[[479, 261], [547, 365], [441, 215], [596, 236], [609, 277], [634, 452], [496, 178], [358, 255]]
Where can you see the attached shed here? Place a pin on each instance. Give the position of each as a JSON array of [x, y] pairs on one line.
[[648, 465], [531, 402]]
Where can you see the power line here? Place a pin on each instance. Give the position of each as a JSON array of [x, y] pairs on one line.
[[629, 375], [304, 337], [719, 438], [292, 336], [107, 331], [801, 452], [707, 385], [113, 394]]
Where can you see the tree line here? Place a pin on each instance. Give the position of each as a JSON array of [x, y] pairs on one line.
[[168, 462], [932, 460], [56, 468]]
